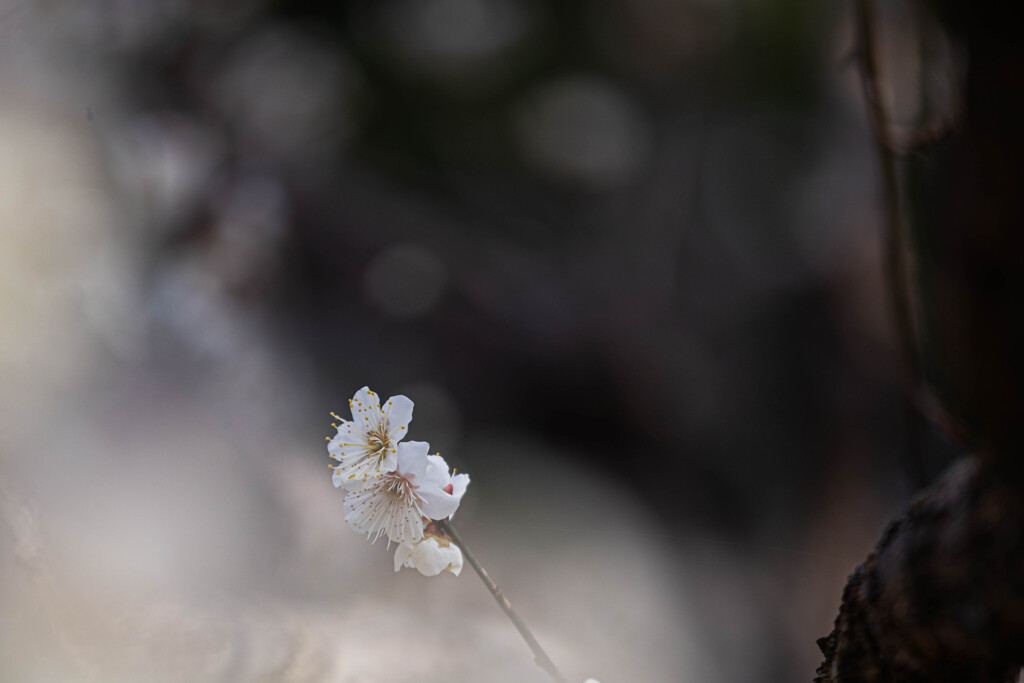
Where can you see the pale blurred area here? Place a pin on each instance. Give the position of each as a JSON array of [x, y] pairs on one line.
[[633, 288]]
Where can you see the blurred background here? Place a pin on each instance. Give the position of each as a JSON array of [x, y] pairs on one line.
[[623, 255]]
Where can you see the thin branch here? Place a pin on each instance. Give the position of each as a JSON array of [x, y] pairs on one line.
[[896, 267], [540, 656]]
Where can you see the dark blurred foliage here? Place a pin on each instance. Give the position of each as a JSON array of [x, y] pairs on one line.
[[643, 311], [618, 217]]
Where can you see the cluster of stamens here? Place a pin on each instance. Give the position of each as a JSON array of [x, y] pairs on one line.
[[390, 506], [377, 447]]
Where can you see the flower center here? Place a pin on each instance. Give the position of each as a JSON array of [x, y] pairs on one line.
[[398, 487], [378, 441]]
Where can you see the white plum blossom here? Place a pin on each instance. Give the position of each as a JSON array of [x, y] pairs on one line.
[[395, 489], [367, 445], [397, 501], [433, 554], [437, 468]]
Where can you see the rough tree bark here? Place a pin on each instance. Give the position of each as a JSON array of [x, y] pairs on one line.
[[941, 598]]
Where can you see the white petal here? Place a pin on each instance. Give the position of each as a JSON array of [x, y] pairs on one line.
[[366, 409], [454, 559], [397, 416], [390, 461], [437, 471], [429, 557], [459, 484], [437, 503], [349, 440], [412, 459], [403, 556]]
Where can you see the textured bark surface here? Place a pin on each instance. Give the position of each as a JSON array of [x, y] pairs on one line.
[[942, 596]]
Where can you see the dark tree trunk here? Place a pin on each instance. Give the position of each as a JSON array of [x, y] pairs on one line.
[[942, 596]]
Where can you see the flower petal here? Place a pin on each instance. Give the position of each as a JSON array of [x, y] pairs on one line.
[[390, 461], [350, 440], [429, 557], [397, 416], [403, 556], [459, 484], [365, 406], [412, 460], [437, 472], [454, 559], [437, 479], [437, 503]]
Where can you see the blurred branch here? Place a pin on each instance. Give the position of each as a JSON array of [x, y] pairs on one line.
[[896, 267], [920, 139]]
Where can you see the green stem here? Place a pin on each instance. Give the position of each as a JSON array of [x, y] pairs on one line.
[[539, 655]]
